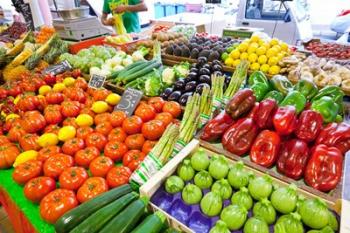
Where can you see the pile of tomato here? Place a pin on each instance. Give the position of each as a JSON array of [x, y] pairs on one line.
[[330, 50], [70, 134]]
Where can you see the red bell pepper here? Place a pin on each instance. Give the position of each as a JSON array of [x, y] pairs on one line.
[[240, 136], [266, 110], [343, 146], [309, 125], [334, 133], [216, 127], [254, 110], [324, 169], [285, 120], [265, 148], [241, 103], [292, 158]]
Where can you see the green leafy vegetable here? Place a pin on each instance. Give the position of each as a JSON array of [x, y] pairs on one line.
[[203, 179], [153, 84], [191, 194], [223, 187], [211, 204], [265, 210], [234, 216], [242, 198], [174, 184]]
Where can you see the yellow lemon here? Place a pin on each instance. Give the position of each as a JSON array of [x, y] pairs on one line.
[[243, 47], [251, 50], [235, 54], [236, 62], [280, 56], [264, 68], [113, 99], [69, 81], [272, 61], [229, 61], [43, 90], [260, 51], [99, 107], [48, 139], [84, 120], [252, 58], [255, 38], [25, 156], [274, 41], [277, 47], [254, 45], [11, 116], [284, 46], [255, 66], [244, 56], [15, 101], [262, 59], [66, 132], [266, 45], [271, 52], [59, 87], [274, 70]]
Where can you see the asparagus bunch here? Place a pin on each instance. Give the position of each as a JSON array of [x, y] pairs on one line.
[[206, 102], [190, 119], [164, 147], [218, 83], [237, 79]]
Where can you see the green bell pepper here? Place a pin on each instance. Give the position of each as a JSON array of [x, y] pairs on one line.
[[260, 90], [296, 99], [307, 88], [281, 83], [276, 95], [257, 77], [326, 107], [332, 91]]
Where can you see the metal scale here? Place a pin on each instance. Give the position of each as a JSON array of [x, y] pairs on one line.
[[76, 24]]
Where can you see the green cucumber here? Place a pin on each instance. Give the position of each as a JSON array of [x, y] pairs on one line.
[[137, 68], [142, 72], [115, 74], [126, 220], [98, 219], [75, 216], [152, 224]]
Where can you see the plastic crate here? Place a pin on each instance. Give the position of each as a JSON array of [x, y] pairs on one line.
[[180, 8], [159, 10], [170, 9], [76, 47]]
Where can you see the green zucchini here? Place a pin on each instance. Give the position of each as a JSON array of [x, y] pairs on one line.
[[98, 219], [142, 72], [75, 216], [138, 68], [152, 224], [126, 220], [115, 74]]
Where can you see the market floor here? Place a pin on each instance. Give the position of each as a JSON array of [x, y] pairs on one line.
[[5, 224]]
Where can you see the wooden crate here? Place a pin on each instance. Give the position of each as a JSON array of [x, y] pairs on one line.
[[149, 188]]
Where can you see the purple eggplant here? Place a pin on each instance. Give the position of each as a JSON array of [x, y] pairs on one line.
[[204, 79], [183, 99], [174, 96], [202, 60], [200, 87], [190, 86], [217, 68], [192, 76], [166, 93], [179, 84], [194, 70]]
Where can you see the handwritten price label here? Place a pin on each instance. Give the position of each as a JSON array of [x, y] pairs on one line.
[[58, 68], [130, 99], [97, 81]]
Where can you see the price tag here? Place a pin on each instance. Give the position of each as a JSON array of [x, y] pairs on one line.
[[345, 210], [58, 68], [96, 81], [129, 101]]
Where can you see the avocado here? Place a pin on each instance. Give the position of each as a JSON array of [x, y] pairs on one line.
[[169, 50], [185, 51], [177, 51], [194, 53], [204, 53]]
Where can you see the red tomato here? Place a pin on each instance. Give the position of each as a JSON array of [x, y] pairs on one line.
[[72, 146], [101, 118], [117, 118], [153, 130], [165, 117], [132, 125], [145, 112], [117, 134], [84, 157], [115, 150], [100, 94], [88, 111], [56, 164], [54, 97], [83, 132], [70, 108], [72, 178], [173, 108], [52, 129], [33, 122], [47, 152], [53, 114], [97, 140], [135, 141], [104, 128], [70, 121], [26, 171], [118, 176], [37, 188], [28, 103], [3, 140], [57, 203], [29, 142], [100, 166], [8, 155], [133, 158], [157, 103], [15, 133], [148, 146], [75, 94], [81, 83], [91, 188]]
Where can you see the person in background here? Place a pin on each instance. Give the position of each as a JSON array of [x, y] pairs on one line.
[[130, 16]]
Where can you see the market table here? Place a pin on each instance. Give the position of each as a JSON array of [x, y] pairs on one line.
[[23, 214]]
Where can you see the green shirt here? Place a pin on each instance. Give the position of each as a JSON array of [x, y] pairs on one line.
[[130, 19]]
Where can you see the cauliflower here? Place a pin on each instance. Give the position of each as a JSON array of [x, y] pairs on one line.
[[137, 55], [127, 62], [168, 76]]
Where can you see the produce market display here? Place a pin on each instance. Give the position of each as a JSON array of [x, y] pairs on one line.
[[171, 131]]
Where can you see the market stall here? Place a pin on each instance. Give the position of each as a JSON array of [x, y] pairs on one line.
[[174, 131]]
